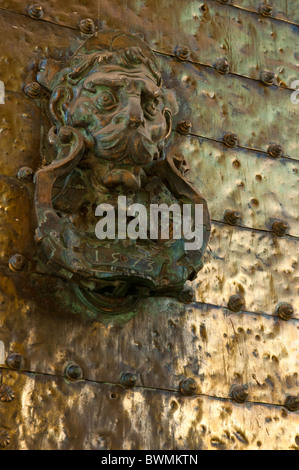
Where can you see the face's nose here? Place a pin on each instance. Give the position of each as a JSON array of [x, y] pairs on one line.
[[135, 116]]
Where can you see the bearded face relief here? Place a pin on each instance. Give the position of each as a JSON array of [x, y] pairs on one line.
[[115, 214]]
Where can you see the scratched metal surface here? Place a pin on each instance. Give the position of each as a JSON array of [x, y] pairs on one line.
[[139, 419], [163, 341], [210, 29]]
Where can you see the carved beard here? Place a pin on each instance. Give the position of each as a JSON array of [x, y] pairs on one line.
[[128, 144]]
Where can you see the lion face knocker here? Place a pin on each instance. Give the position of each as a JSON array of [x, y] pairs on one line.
[[111, 120]]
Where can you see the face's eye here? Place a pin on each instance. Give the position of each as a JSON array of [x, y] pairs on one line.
[[150, 107], [106, 100]]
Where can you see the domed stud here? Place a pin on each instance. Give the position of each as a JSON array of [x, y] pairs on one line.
[[280, 228], [266, 10], [187, 295], [17, 262], [128, 380], [188, 387], [87, 26], [36, 11], [236, 303], [285, 311], [275, 151], [292, 403], [267, 77], [73, 371], [239, 393], [184, 127], [25, 174], [15, 361], [182, 53], [222, 66], [230, 140], [232, 217]]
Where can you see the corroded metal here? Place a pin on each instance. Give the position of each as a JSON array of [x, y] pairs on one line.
[[232, 217], [184, 127], [122, 146], [239, 393], [236, 303], [188, 386], [280, 227], [87, 26], [17, 262], [128, 380], [73, 371], [222, 65], [285, 311], [36, 11], [15, 361], [230, 140], [182, 53], [25, 174], [162, 339]]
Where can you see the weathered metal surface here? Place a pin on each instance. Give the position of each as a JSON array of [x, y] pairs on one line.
[[227, 103], [135, 419], [19, 133], [219, 348], [281, 9], [209, 30], [258, 264], [261, 189], [224, 102], [241, 351]]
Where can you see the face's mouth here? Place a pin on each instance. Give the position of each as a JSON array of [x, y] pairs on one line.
[[134, 145]]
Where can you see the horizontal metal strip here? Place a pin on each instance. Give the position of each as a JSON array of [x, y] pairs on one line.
[[210, 33], [280, 10], [217, 104], [162, 342], [112, 417], [260, 188]]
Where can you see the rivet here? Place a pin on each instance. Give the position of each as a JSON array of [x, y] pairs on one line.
[[188, 387], [266, 10], [232, 217], [32, 90], [36, 11], [187, 295], [6, 393], [292, 403], [279, 227], [182, 53], [267, 77], [87, 26], [285, 311], [15, 361], [236, 303], [73, 371], [16, 262], [4, 438], [184, 127], [275, 151], [230, 139], [225, 2], [128, 380], [222, 65], [239, 393], [25, 174]]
